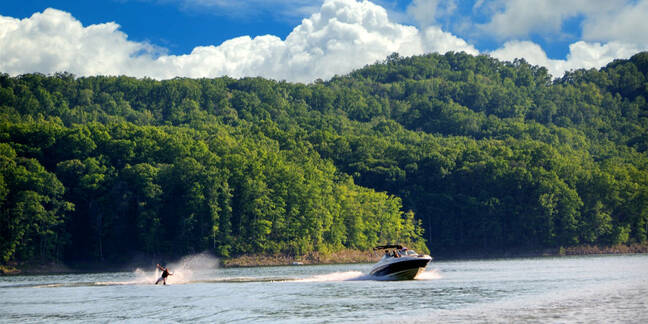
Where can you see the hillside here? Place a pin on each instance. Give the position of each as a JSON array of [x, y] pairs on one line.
[[456, 152]]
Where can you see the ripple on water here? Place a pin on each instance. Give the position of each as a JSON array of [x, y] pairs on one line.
[[581, 289]]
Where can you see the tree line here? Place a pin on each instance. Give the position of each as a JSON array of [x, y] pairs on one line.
[[449, 152]]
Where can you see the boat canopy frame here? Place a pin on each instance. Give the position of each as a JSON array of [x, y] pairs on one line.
[[389, 246]]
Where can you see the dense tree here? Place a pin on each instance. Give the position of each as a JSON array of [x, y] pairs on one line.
[[466, 152]]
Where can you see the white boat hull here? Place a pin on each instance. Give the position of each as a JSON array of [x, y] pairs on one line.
[[403, 268]]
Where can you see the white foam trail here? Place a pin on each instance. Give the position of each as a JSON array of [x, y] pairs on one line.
[[336, 276], [357, 275], [433, 274], [142, 277], [188, 268], [183, 271], [145, 277]]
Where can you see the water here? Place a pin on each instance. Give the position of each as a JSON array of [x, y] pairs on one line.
[[555, 290]]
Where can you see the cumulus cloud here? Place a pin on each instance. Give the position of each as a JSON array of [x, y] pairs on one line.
[[519, 18], [602, 20], [627, 23], [427, 12], [342, 36], [581, 55], [436, 40], [611, 29], [54, 41]]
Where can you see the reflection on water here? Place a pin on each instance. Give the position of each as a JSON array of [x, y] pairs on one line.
[[570, 289]]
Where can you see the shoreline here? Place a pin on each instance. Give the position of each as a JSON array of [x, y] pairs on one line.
[[315, 258], [340, 257], [353, 256], [580, 250]]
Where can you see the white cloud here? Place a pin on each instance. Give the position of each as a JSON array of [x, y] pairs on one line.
[[342, 36], [436, 40], [427, 12], [581, 55], [54, 41], [519, 18], [611, 29], [602, 20], [627, 23]]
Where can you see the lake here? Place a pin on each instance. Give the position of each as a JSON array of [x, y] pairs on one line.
[[563, 289]]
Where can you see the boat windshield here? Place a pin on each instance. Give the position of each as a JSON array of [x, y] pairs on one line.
[[389, 254]]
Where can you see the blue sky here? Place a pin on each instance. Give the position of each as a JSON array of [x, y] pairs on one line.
[[302, 40], [177, 27]]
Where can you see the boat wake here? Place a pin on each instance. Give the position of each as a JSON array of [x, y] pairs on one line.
[[188, 269], [429, 275], [200, 268], [148, 278], [336, 276], [357, 275]]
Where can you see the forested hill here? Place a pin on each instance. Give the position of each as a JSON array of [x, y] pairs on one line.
[[459, 152]]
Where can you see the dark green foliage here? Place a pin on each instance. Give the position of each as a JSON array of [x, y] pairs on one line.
[[487, 155], [178, 190]]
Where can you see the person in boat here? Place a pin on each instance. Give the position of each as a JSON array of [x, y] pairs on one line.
[[165, 274], [402, 252]]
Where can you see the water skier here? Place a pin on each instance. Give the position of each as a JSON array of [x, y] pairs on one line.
[[165, 274]]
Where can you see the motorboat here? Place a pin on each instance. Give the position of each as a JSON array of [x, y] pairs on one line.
[[399, 263]]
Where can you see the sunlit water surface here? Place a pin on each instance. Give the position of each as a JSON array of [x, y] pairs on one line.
[[556, 290]]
